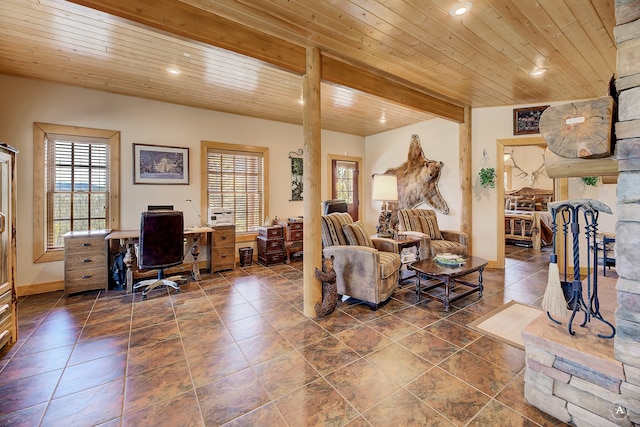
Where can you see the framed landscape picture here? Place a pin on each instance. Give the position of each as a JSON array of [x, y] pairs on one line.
[[527, 120], [157, 164]]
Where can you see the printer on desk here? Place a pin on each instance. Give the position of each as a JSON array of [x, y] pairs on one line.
[[219, 216]]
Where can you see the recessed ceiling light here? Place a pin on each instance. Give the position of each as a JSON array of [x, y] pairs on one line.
[[537, 72], [174, 71], [461, 8]]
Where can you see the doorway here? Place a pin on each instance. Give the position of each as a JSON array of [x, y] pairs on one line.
[[560, 186], [344, 182]]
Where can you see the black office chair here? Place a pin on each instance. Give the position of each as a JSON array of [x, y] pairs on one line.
[[161, 246], [335, 205]]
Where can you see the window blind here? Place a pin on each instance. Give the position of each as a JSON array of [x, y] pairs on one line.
[[77, 186], [235, 180]]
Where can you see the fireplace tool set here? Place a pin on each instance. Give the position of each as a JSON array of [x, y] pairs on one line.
[[570, 293]]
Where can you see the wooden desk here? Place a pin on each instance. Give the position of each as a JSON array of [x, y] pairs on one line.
[[192, 235]]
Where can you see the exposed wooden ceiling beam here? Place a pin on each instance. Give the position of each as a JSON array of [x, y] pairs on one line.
[[191, 22]]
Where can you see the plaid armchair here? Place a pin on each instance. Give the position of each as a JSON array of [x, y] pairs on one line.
[[366, 268], [424, 223]]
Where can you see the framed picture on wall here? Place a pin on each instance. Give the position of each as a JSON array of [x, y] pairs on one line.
[[527, 120], [157, 164], [296, 179]]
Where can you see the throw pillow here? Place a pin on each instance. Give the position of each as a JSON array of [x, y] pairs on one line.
[[356, 234], [430, 227]]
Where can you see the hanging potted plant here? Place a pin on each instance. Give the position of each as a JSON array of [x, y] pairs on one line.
[[487, 174], [488, 177]]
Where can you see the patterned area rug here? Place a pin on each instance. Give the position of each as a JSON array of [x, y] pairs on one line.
[[507, 322]]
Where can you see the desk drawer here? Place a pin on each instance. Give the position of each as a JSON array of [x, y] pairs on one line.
[[223, 255], [86, 261], [296, 235], [85, 280], [270, 232], [271, 259], [224, 236], [268, 246], [85, 245], [295, 226]]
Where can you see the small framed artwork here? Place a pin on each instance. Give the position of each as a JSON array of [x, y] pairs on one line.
[[527, 120], [157, 164], [296, 178]]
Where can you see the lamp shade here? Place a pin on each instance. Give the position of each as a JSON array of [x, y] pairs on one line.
[[385, 188]]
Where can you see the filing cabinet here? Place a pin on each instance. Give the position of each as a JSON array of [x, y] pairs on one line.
[[85, 261], [223, 247]]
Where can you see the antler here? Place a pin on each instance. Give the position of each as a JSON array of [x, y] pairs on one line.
[[522, 174], [529, 176]]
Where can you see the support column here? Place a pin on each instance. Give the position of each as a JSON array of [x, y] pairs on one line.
[[311, 179], [464, 150]]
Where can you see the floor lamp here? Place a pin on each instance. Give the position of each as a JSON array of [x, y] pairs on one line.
[[385, 189]]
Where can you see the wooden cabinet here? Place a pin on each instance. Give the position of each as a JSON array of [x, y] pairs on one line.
[[8, 294], [293, 237], [85, 261], [223, 248], [270, 245]]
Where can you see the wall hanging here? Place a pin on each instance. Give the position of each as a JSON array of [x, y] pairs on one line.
[[296, 174], [417, 182]]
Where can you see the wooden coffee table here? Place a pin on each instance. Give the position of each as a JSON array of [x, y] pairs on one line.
[[448, 276]]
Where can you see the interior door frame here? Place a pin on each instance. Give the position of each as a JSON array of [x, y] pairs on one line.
[[560, 188], [358, 161]]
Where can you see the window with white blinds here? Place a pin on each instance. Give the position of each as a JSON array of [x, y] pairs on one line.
[[236, 180], [77, 186]]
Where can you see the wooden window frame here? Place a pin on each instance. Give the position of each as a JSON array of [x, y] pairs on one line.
[[41, 253], [205, 146]]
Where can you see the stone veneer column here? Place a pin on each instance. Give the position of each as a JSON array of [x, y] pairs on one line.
[[627, 339]]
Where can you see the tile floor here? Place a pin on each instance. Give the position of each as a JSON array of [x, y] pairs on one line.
[[235, 350]]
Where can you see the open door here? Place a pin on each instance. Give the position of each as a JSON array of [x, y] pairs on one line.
[[345, 182], [560, 185]]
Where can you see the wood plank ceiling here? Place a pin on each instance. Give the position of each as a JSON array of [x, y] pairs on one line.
[[386, 63]]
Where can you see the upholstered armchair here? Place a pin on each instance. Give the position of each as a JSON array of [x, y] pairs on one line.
[[424, 223], [366, 268]]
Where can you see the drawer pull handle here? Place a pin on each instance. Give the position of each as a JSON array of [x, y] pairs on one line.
[[223, 255], [3, 308], [86, 260], [86, 276], [4, 334], [86, 244], [223, 237]]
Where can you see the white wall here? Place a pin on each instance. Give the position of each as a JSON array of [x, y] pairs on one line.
[[439, 140], [149, 122]]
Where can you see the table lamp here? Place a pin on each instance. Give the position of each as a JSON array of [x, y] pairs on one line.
[[385, 189]]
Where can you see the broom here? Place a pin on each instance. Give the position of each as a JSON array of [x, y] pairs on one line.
[[553, 301]]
